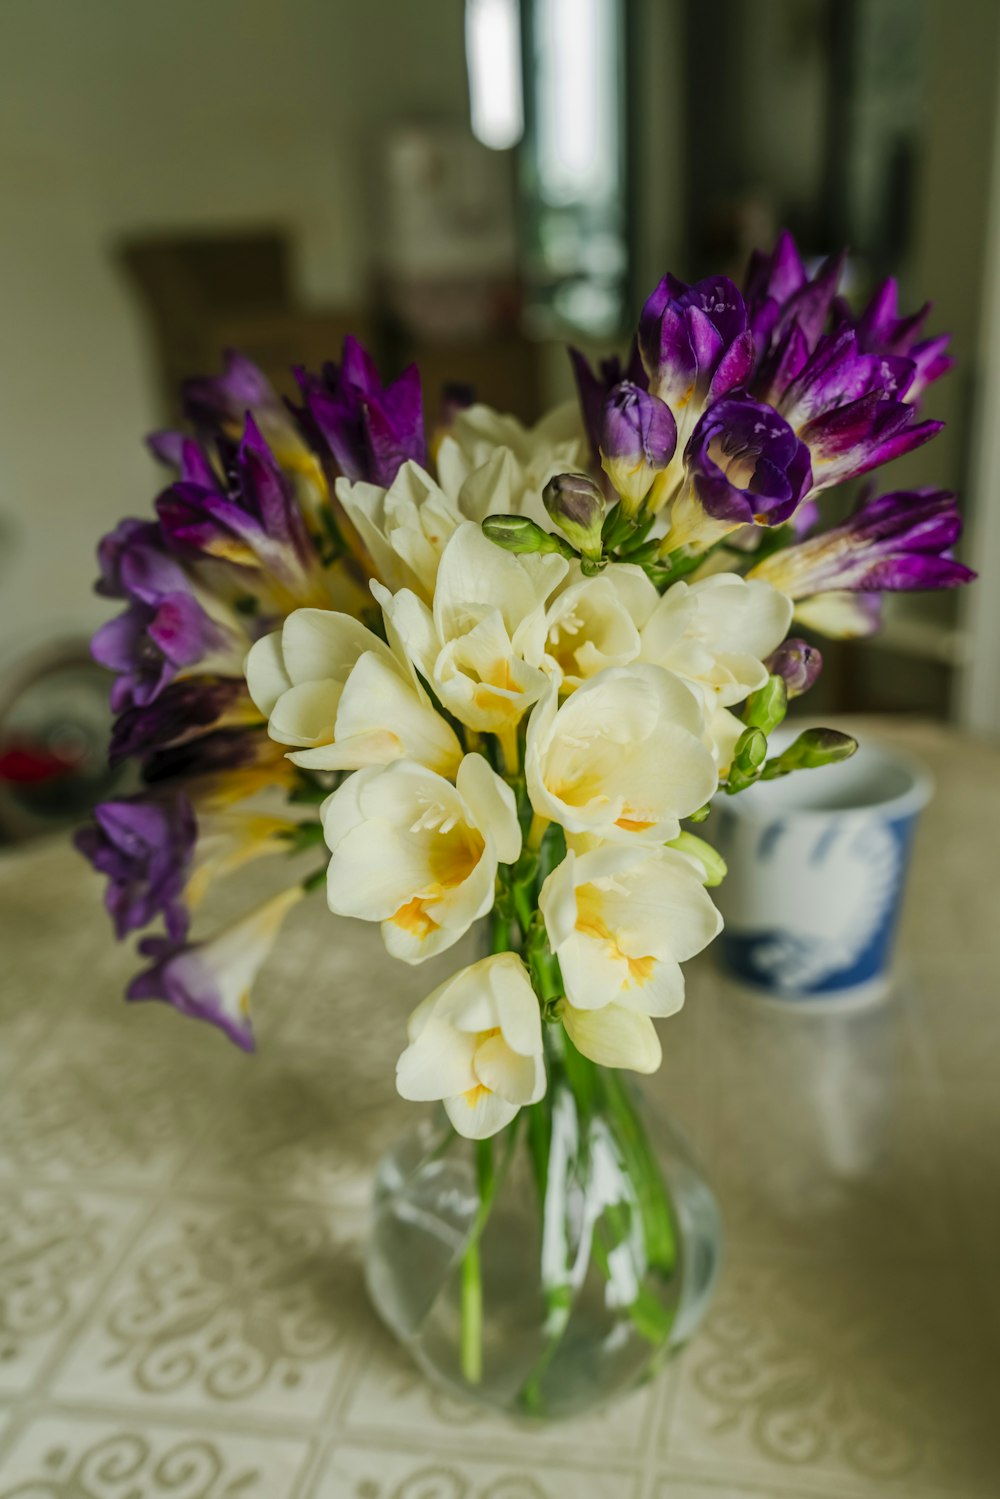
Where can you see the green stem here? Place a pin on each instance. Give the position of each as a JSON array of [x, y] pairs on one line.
[[472, 1277]]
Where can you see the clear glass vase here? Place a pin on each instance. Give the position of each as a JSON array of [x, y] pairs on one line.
[[554, 1266]]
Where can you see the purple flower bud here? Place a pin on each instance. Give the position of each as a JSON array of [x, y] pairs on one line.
[[899, 541], [744, 466], [696, 345], [798, 664], [144, 847], [369, 430], [638, 436], [594, 385]]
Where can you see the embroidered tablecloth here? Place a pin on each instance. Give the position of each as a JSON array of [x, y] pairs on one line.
[[181, 1304]]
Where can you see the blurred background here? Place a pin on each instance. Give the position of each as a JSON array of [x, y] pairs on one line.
[[468, 183]]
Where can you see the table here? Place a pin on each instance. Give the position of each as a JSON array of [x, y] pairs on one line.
[[181, 1305]]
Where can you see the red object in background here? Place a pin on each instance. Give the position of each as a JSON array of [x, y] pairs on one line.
[[24, 764]]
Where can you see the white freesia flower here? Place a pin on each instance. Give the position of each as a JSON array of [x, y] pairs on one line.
[[716, 634], [487, 623], [621, 920], [419, 855], [623, 758], [344, 698], [591, 624], [532, 456], [476, 1043]]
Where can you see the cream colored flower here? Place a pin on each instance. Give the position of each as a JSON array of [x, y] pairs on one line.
[[487, 623], [532, 456], [622, 758], [404, 528], [476, 1043], [590, 624], [419, 855], [344, 698], [621, 921], [716, 634]]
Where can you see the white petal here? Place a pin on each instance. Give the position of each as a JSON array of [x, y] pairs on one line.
[[488, 489], [478, 1115], [517, 1009], [265, 672], [374, 873], [354, 752], [305, 714], [376, 699], [437, 1063], [491, 804], [410, 626], [557, 901], [614, 1037], [365, 507], [504, 1071], [320, 644]]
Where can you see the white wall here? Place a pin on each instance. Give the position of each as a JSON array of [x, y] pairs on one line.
[[123, 115]]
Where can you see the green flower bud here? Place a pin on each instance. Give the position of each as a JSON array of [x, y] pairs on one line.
[[813, 748], [748, 758], [766, 707], [712, 866], [576, 505], [516, 533]]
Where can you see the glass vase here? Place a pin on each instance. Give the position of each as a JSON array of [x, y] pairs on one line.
[[554, 1266]]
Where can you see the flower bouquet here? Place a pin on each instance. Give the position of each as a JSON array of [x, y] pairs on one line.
[[497, 675]]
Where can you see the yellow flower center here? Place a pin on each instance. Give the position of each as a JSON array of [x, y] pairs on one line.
[[590, 922]]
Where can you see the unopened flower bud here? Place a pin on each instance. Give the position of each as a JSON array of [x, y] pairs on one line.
[[748, 760], [710, 865], [576, 505], [516, 533], [766, 707], [798, 663], [638, 436], [813, 748]]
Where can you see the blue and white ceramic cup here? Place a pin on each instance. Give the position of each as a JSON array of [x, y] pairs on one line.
[[817, 867]]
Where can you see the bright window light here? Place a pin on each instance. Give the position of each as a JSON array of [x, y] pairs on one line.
[[493, 57], [577, 114]]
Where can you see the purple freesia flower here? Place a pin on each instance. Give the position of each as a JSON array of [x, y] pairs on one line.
[[180, 452], [696, 345], [368, 429], [593, 387], [144, 847], [788, 311], [221, 402], [880, 330], [150, 643], [638, 436], [212, 980], [849, 408], [897, 541], [744, 466], [244, 760], [253, 522], [183, 710], [798, 663]]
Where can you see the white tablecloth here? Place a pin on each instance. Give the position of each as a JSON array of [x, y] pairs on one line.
[[181, 1305]]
